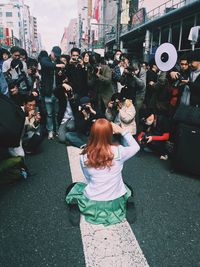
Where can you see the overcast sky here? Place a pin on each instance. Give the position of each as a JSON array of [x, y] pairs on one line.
[[54, 15]]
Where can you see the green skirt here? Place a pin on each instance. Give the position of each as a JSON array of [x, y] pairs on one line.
[[99, 212]]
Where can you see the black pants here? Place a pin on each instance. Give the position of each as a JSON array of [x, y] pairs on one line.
[[158, 146], [33, 143]]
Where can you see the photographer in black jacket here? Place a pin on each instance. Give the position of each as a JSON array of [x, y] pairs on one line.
[[49, 81], [18, 84]]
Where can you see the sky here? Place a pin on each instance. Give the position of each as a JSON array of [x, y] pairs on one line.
[[53, 16]]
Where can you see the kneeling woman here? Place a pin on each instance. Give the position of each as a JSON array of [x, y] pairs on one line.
[[103, 199]]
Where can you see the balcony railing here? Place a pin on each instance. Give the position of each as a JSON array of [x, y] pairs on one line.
[[141, 17]]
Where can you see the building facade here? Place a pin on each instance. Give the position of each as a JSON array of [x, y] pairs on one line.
[[18, 27]]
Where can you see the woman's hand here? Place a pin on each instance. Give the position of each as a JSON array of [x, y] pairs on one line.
[[116, 128]]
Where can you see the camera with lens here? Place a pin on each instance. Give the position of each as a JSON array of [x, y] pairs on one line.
[[115, 104], [144, 139], [84, 107], [76, 60]]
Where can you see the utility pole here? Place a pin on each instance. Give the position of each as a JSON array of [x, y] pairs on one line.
[[118, 26]]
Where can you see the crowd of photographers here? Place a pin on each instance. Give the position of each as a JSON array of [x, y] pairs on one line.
[[62, 95]]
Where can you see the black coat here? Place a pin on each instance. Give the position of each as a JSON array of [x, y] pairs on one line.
[[195, 92], [47, 76]]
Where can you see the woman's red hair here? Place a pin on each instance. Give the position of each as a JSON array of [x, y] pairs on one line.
[[98, 149]]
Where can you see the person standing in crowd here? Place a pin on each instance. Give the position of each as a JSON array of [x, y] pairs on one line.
[[103, 84], [116, 58], [194, 80], [4, 56], [48, 85], [118, 71], [24, 58], [103, 199], [89, 73], [180, 92], [152, 76], [3, 83], [76, 74]]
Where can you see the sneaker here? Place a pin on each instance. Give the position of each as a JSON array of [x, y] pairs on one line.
[[164, 157], [50, 136]]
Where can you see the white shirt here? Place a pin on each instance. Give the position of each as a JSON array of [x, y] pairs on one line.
[[107, 184], [68, 113]]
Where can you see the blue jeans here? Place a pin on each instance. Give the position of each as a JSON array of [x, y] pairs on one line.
[[76, 139], [51, 105]]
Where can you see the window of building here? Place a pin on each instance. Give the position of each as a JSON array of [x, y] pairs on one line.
[[175, 34], [1, 14], [164, 34], [188, 23], [198, 24], [8, 14]]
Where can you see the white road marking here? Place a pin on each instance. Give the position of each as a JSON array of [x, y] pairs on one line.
[[106, 246]]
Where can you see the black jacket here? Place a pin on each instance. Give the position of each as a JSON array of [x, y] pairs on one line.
[[47, 76], [195, 92]]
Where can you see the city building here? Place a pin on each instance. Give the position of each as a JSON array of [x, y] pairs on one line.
[[169, 22], [70, 36], [18, 27]]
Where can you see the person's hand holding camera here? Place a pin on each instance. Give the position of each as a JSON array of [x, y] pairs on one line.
[[91, 109]]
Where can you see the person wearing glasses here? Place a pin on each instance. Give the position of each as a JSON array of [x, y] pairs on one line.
[[181, 92]]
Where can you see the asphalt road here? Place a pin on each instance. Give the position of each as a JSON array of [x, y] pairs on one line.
[[34, 227]]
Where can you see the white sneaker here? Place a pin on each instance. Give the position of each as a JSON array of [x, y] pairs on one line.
[[50, 136], [164, 157]]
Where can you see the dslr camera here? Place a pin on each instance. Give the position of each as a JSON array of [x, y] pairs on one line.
[[76, 60], [85, 108]]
